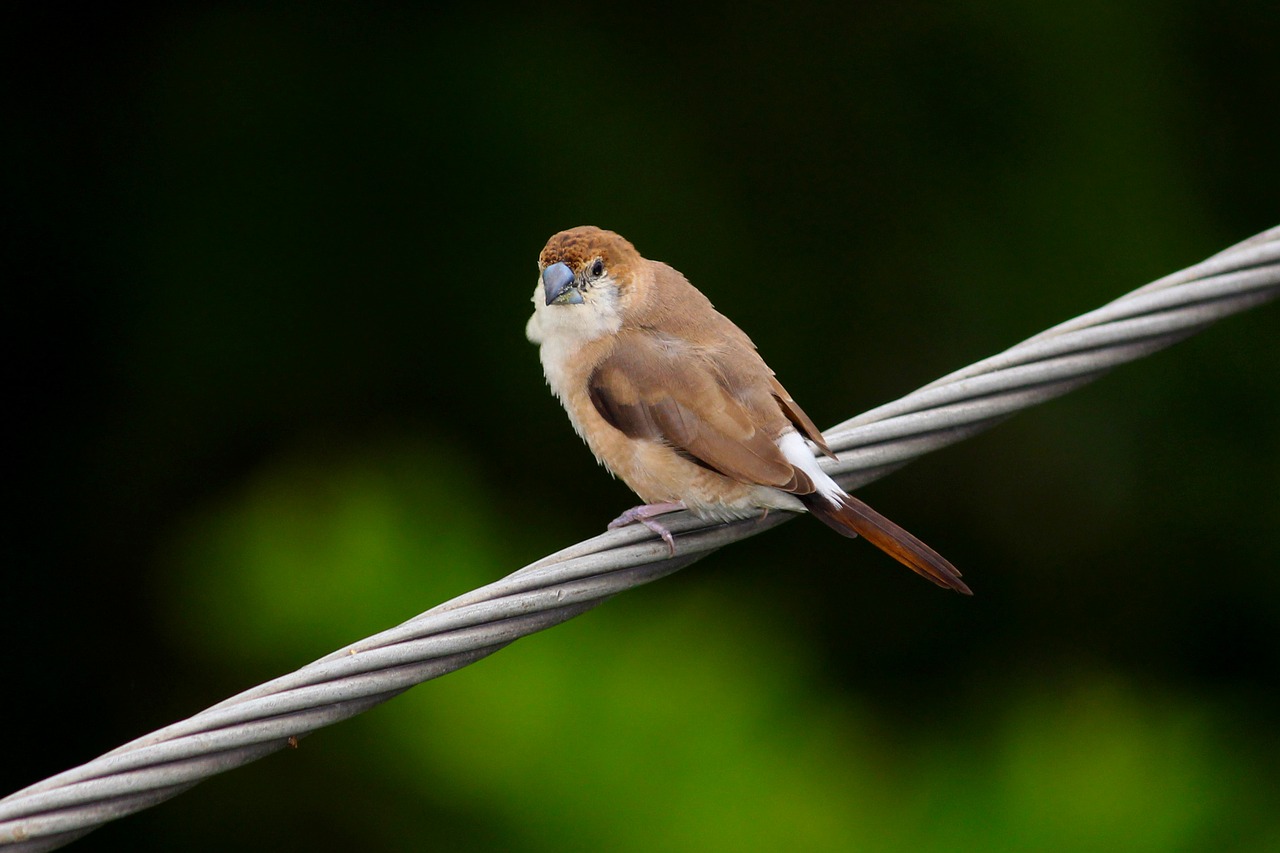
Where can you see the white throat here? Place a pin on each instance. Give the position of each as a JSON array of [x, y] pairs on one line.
[[562, 330]]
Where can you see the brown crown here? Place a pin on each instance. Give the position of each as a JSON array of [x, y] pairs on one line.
[[579, 246]]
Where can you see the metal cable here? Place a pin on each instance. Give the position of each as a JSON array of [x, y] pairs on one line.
[[556, 588]]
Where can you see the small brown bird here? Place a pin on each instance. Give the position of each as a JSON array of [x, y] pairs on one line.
[[673, 398]]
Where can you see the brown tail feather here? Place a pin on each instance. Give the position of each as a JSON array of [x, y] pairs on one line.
[[852, 518]]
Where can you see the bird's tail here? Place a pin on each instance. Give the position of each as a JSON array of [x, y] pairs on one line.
[[851, 517]]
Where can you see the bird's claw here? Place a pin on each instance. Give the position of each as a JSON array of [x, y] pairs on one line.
[[658, 528], [645, 515]]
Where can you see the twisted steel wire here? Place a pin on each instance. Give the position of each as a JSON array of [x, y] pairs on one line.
[[556, 588]]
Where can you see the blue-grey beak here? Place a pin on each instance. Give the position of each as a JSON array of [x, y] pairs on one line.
[[557, 283]]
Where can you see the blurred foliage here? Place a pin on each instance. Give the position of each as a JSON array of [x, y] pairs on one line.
[[643, 729], [269, 271]]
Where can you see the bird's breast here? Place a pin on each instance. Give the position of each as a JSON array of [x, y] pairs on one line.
[[567, 363]]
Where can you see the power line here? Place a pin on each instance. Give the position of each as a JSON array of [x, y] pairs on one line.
[[556, 588]]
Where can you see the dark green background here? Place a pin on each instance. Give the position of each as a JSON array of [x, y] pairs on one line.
[[267, 273]]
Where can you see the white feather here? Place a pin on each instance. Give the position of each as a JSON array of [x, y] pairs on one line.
[[798, 454], [562, 330]]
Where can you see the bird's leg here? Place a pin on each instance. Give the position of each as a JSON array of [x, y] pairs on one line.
[[646, 516]]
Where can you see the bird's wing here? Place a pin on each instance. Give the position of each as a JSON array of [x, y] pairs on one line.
[[727, 418], [796, 415]]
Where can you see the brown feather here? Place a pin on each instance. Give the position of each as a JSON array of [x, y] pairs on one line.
[[796, 415], [853, 518], [578, 247], [678, 308], [651, 387]]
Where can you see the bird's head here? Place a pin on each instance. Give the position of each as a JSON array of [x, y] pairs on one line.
[[587, 276], [584, 264]]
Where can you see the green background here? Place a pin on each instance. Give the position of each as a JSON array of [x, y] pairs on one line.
[[268, 270]]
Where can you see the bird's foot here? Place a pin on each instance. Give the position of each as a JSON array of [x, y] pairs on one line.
[[646, 516]]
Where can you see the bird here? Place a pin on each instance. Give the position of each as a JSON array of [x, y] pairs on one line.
[[674, 399]]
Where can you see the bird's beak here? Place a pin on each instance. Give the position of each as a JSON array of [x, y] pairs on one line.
[[557, 283]]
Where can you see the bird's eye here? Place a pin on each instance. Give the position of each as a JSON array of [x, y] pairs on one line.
[[597, 269]]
